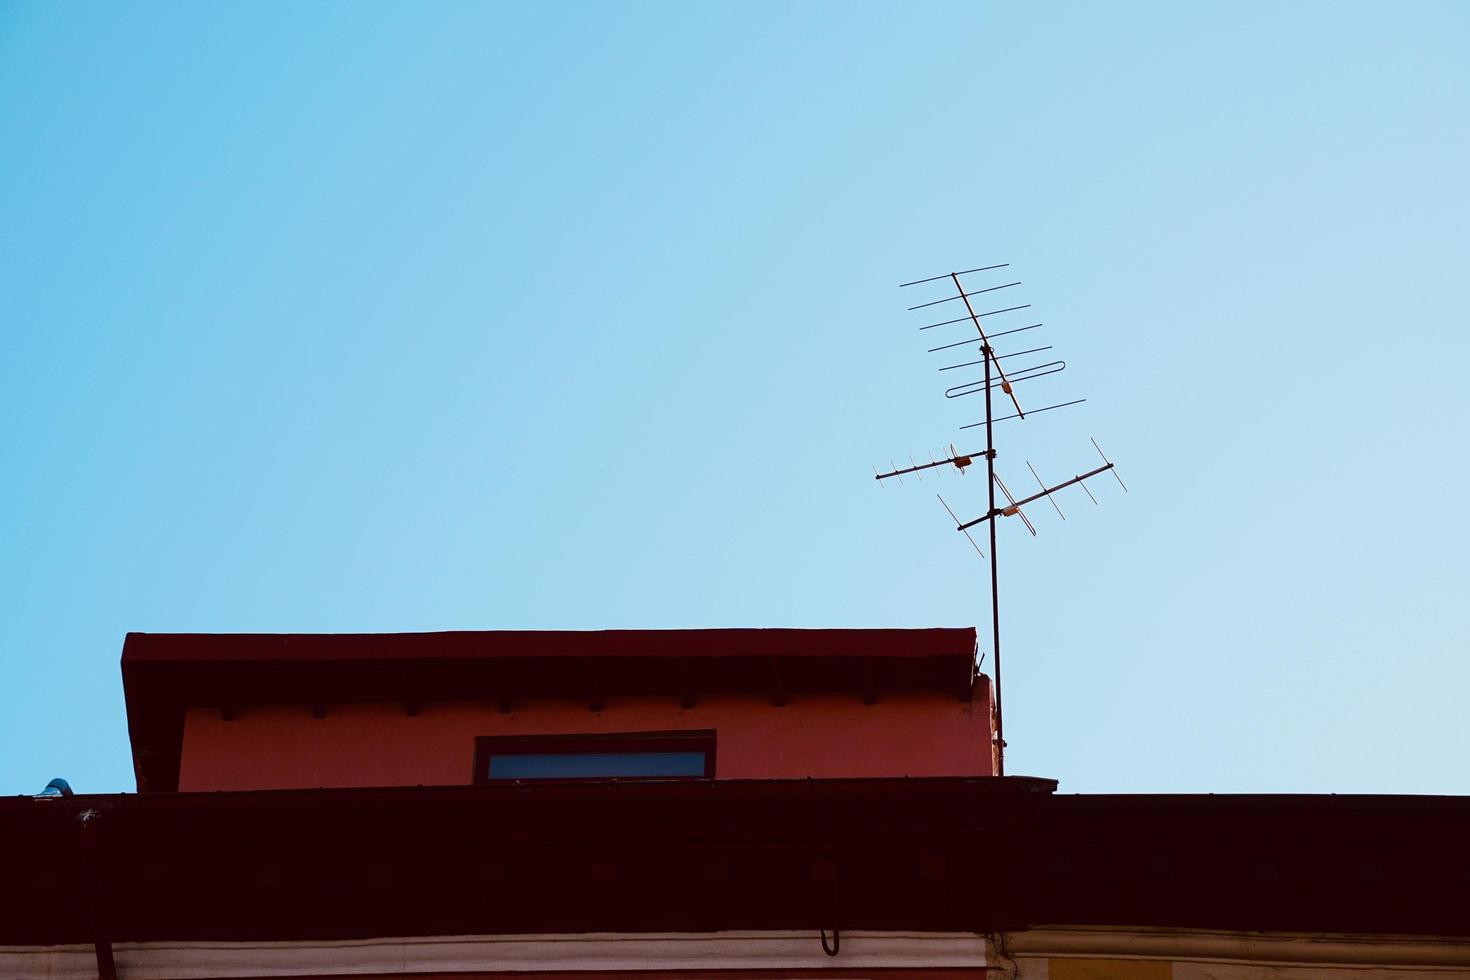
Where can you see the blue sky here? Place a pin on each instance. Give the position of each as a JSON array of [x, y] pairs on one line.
[[364, 317]]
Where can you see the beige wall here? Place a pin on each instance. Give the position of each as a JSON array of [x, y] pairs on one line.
[[1061, 953]]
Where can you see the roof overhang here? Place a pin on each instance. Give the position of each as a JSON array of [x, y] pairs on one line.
[[645, 855], [985, 854]]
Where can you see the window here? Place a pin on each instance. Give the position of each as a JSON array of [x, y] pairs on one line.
[[633, 755]]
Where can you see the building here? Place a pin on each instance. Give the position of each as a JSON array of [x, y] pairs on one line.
[[291, 712], [754, 803]]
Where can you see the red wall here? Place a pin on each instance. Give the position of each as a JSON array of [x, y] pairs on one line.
[[829, 736]]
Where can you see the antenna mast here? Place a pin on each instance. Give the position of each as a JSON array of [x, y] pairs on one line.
[[993, 375]]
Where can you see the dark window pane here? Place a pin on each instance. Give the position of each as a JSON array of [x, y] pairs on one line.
[[584, 765]]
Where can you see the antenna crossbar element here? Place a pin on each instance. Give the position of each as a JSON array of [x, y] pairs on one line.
[[983, 268], [1019, 353], [1008, 309], [1045, 492], [966, 533], [1110, 463], [1042, 484], [945, 323], [976, 340], [1034, 411], [973, 292]]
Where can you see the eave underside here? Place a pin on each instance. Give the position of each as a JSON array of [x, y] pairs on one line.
[[986, 855]]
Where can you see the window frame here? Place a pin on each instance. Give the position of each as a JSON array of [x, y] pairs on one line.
[[582, 743]]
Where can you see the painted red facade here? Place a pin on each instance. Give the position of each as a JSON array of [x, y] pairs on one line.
[[829, 736]]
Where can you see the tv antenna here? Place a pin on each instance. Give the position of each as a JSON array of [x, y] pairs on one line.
[[993, 375]]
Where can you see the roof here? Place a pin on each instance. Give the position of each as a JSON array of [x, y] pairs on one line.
[[166, 673], [977, 855]]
